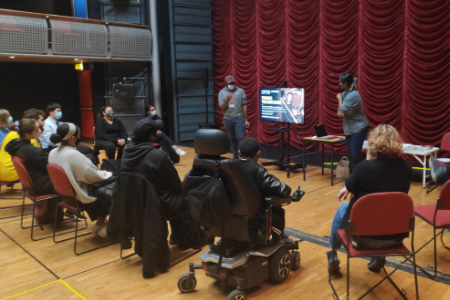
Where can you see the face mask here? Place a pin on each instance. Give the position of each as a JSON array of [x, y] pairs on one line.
[[153, 113], [110, 114], [10, 119], [58, 115], [231, 87]]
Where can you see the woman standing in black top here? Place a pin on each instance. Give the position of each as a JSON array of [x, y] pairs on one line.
[[110, 133], [383, 171]]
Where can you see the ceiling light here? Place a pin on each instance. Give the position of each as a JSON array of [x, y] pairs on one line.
[[12, 57], [76, 59]]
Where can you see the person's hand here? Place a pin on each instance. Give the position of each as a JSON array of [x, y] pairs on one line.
[[339, 96], [158, 132], [343, 194], [121, 142], [340, 114], [229, 97], [247, 124]]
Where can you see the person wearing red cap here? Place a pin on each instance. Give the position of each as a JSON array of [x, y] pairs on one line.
[[233, 103]]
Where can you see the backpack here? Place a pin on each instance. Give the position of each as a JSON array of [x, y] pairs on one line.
[[207, 198]]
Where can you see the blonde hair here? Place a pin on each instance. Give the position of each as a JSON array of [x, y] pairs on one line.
[[385, 142], [4, 116]]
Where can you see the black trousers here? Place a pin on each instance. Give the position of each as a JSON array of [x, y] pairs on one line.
[[110, 148], [97, 209]]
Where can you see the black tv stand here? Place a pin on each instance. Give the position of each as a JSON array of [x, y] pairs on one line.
[[284, 163]]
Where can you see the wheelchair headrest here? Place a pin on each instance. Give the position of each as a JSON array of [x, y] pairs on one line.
[[211, 142]]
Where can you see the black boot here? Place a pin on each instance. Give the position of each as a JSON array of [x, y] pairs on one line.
[[376, 263], [333, 264], [438, 171]]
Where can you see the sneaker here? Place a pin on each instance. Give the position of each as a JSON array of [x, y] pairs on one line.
[[102, 233], [96, 229], [333, 265], [178, 151], [73, 216], [376, 263]]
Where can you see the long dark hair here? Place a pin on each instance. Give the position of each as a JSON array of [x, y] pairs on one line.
[[102, 110], [346, 78]]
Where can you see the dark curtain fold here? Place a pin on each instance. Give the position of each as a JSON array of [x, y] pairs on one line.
[[398, 50]]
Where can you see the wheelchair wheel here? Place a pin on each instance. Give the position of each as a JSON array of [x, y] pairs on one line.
[[280, 265], [186, 285], [237, 295], [295, 260]]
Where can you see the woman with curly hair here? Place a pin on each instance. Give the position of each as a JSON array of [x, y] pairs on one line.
[[384, 170]]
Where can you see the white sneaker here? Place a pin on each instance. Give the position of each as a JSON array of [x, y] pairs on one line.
[[102, 233], [178, 151], [97, 228]]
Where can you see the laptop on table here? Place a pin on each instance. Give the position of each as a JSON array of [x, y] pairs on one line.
[[321, 132]]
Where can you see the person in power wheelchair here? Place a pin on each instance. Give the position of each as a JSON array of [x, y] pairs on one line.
[[225, 200]]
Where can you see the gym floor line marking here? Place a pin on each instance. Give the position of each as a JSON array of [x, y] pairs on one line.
[[41, 286], [47, 284], [26, 251], [72, 289]]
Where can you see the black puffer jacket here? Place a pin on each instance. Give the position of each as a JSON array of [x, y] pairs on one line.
[[146, 160], [267, 184]]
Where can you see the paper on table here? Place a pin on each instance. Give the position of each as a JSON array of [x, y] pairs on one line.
[[444, 160]]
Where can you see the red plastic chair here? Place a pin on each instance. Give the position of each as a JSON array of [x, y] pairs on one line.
[[28, 192], [438, 216], [64, 189], [379, 214]]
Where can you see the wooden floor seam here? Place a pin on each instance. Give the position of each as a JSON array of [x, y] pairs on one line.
[[26, 251]]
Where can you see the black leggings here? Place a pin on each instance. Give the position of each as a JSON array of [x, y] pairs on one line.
[[110, 148], [97, 209]]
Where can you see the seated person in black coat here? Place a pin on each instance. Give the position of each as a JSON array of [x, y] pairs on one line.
[[151, 115], [109, 133], [383, 171], [143, 158], [35, 161], [268, 185]]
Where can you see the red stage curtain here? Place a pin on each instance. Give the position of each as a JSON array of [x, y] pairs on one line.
[[398, 50]]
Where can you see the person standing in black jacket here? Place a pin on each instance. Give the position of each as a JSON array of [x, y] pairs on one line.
[[35, 161], [268, 185], [144, 159], [383, 171], [110, 133]]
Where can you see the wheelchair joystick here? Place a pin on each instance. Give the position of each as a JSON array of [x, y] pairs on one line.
[[298, 195]]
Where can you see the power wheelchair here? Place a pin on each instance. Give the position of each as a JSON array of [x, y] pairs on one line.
[[246, 255]]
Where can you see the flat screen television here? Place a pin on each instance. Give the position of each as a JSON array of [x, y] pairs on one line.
[[282, 105]]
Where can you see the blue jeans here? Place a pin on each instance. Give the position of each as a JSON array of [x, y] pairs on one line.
[[236, 132], [355, 143], [336, 225]]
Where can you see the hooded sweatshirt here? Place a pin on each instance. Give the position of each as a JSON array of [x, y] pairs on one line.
[[35, 162], [144, 159]]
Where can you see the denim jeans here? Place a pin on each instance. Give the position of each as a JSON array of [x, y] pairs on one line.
[[355, 143], [336, 225], [236, 132]]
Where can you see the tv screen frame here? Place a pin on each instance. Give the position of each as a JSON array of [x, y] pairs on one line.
[[286, 105]]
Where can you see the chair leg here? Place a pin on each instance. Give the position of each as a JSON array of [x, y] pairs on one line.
[[388, 276], [435, 254], [442, 240], [348, 275], [23, 213], [415, 274]]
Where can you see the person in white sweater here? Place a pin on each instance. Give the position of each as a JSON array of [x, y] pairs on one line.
[[82, 173]]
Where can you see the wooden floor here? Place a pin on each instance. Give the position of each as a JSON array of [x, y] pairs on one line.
[[44, 270]]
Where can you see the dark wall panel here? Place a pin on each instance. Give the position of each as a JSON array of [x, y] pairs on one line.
[[26, 85], [56, 7]]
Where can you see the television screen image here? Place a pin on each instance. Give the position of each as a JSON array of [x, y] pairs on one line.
[[282, 105]]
